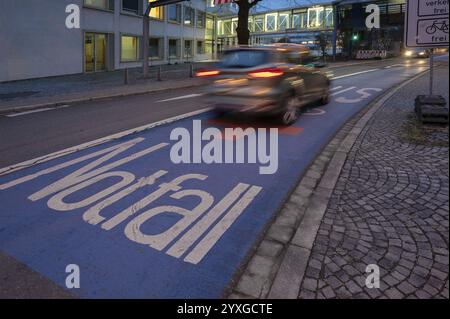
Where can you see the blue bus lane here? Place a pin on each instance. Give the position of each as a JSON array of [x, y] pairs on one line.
[[140, 226]]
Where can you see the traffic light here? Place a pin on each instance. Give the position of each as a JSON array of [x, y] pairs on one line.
[[355, 37]]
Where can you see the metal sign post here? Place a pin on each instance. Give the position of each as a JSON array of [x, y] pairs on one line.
[[427, 26], [431, 70]]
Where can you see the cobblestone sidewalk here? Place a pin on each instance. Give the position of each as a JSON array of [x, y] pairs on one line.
[[389, 206]]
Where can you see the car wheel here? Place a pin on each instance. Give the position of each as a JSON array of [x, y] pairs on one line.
[[291, 110], [325, 99]]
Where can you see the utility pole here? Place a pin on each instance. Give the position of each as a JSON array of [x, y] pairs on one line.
[[145, 37], [335, 27], [146, 30]]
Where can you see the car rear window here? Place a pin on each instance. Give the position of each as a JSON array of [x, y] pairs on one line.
[[241, 59]]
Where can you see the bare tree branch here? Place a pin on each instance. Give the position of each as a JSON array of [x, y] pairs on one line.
[[254, 3]]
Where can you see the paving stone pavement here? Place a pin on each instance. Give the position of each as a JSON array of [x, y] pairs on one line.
[[390, 207]]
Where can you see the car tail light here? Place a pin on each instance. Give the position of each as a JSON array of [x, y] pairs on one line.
[[203, 73], [266, 73]]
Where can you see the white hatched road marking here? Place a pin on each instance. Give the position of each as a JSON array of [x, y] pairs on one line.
[[203, 247]]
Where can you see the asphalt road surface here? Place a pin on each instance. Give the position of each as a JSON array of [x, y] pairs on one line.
[[135, 223]]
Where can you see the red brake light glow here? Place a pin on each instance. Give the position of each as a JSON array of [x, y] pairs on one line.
[[266, 73], [202, 73]]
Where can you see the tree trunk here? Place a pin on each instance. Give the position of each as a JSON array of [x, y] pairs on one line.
[[242, 31]]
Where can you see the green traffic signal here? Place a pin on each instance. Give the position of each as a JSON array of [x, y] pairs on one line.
[[355, 37]]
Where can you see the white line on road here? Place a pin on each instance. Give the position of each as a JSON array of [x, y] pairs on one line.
[[36, 111], [48, 157], [352, 74], [344, 90], [180, 97], [392, 65], [203, 247], [336, 88]]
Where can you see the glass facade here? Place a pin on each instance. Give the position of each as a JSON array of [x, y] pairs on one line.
[[315, 18], [100, 4]]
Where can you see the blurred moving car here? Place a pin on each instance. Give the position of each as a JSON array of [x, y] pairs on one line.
[[276, 80], [416, 53]]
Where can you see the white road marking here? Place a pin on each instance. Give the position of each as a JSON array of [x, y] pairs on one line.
[[204, 246], [48, 157], [36, 111], [352, 74], [344, 90], [314, 112], [336, 88], [390, 66], [363, 95], [180, 97], [189, 238]]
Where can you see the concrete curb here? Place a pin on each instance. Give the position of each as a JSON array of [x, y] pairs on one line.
[[24, 108], [277, 265]]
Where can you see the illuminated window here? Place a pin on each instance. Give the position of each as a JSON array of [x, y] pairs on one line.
[[101, 4], [220, 28], [234, 24], [283, 21], [227, 27], [315, 17], [299, 20], [271, 22], [259, 24], [157, 13], [130, 48], [251, 26], [209, 47], [209, 32]]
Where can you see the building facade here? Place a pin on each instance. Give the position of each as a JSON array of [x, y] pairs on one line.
[[296, 24], [35, 42], [354, 35]]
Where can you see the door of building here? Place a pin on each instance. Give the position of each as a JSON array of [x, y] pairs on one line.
[[95, 52]]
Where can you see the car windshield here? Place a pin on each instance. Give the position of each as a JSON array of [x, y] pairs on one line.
[[244, 58]]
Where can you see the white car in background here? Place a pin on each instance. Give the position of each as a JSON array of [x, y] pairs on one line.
[[416, 53]]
